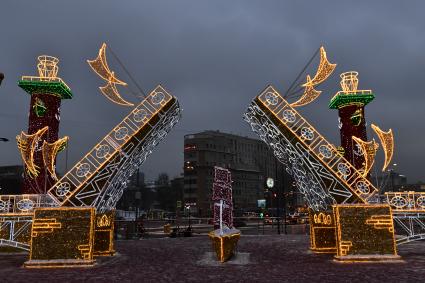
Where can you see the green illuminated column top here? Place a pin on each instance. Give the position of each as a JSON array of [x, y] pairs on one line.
[[47, 82], [349, 94]]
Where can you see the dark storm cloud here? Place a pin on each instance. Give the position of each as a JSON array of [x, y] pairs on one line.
[[215, 56]]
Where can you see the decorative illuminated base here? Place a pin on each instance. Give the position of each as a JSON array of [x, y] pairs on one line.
[[59, 263], [104, 234], [62, 237], [322, 232], [365, 233], [368, 258], [224, 245]]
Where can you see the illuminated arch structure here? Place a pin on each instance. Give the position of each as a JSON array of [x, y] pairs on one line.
[[96, 182], [332, 185], [321, 173]]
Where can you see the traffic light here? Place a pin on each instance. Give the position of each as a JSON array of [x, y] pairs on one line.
[[274, 194], [261, 215]]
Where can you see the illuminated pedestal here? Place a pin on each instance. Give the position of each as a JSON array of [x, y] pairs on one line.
[[104, 234], [225, 245], [62, 237], [322, 232], [364, 233]]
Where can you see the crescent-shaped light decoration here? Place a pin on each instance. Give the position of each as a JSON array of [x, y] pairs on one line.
[[27, 145], [111, 92], [369, 151], [50, 151], [100, 67], [324, 70], [387, 141], [309, 95]]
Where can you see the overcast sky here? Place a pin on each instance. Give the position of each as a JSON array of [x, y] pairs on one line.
[[215, 57]]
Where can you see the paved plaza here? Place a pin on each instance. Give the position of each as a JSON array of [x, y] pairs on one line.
[[268, 258]]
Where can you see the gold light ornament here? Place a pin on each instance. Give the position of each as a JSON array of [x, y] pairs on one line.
[[100, 67], [324, 70], [309, 95], [27, 145], [369, 151], [387, 141], [50, 151], [111, 92]]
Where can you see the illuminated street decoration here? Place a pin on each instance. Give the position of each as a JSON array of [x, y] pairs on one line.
[[46, 90], [99, 178], [350, 103], [50, 151], [324, 70], [28, 144], [224, 239], [368, 149], [222, 198], [309, 95], [16, 215], [104, 234], [100, 67], [408, 209], [387, 142], [321, 174], [322, 232], [39, 108], [62, 237], [110, 91], [365, 232]]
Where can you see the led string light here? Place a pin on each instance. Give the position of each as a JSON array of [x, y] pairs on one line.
[[283, 115], [101, 68], [324, 70], [50, 151], [27, 145], [115, 158], [369, 152], [110, 91], [387, 142], [310, 94]]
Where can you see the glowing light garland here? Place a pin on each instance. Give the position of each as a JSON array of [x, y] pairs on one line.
[[310, 94], [100, 67], [387, 142], [27, 145], [50, 151], [321, 174], [364, 233], [110, 91], [62, 237], [369, 151], [222, 198], [324, 70], [100, 177]]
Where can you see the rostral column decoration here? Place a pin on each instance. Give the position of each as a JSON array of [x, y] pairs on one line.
[[350, 103], [39, 156]]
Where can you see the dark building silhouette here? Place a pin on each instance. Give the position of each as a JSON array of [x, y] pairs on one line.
[[250, 161], [11, 180]]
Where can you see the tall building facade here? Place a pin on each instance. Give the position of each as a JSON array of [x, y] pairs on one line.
[[250, 161]]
